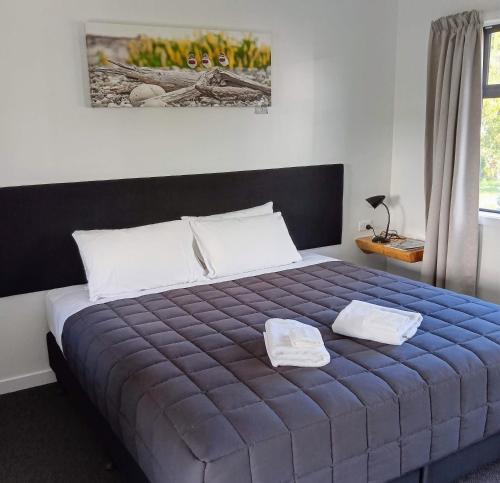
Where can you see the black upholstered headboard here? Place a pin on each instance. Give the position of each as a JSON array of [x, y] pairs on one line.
[[37, 251]]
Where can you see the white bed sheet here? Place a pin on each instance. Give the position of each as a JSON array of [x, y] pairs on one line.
[[62, 303]]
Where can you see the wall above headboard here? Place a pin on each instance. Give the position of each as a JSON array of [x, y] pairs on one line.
[[37, 251], [332, 102]]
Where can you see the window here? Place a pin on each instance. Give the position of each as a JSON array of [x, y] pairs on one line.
[[489, 199]]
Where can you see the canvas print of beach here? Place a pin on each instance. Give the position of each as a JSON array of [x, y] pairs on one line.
[[147, 66]]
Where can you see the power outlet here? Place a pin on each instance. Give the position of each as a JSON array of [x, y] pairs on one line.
[[363, 224]]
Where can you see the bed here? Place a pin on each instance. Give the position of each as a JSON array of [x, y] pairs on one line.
[[180, 385]]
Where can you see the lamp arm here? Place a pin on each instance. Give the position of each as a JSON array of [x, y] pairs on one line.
[[388, 221]]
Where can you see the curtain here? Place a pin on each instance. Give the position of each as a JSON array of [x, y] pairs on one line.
[[452, 152]]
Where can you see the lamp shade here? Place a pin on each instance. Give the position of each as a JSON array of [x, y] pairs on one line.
[[375, 200]]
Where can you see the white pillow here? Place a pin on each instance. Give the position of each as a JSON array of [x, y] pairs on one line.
[[264, 209], [118, 262], [238, 245]]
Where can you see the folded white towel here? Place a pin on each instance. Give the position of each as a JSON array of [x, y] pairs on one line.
[[278, 338], [285, 336], [305, 337], [318, 358], [373, 322]]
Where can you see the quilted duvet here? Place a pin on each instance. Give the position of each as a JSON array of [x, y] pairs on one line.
[[184, 380]]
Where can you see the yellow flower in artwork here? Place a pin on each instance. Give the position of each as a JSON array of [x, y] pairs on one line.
[[246, 53]]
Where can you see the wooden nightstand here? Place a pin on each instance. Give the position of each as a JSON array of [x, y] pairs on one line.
[[411, 256]]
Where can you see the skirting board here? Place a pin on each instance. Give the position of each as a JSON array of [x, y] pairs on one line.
[[25, 381]]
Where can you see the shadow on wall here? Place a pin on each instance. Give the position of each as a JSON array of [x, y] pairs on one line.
[[403, 269], [398, 214]]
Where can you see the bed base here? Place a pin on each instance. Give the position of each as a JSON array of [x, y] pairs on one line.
[[119, 455], [445, 470]]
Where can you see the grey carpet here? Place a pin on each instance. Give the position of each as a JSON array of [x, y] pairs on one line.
[[486, 474], [43, 439]]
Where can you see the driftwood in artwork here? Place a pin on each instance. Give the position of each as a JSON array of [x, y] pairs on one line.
[[183, 85], [217, 84], [184, 94], [170, 80], [224, 78]]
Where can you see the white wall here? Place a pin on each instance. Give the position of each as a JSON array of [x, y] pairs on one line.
[[333, 84], [407, 180]]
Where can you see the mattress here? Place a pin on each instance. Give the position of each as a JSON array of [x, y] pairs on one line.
[[185, 382], [63, 302]]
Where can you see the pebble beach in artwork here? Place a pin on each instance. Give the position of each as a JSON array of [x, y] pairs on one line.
[[116, 90], [110, 90]]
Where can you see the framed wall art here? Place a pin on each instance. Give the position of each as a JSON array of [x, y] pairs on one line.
[[150, 66]]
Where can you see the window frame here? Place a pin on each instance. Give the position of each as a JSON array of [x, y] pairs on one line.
[[490, 91]]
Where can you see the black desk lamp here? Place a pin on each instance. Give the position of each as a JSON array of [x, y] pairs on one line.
[[375, 202]]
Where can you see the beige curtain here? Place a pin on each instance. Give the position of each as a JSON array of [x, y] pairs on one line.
[[452, 152]]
